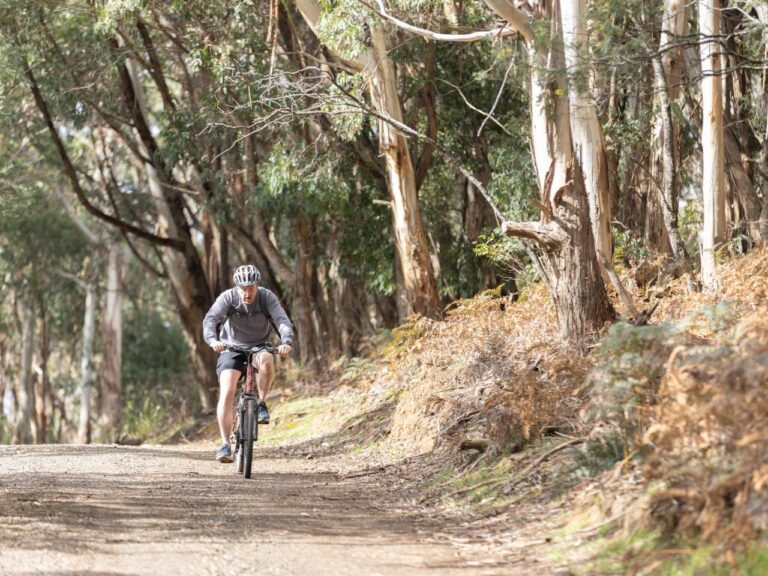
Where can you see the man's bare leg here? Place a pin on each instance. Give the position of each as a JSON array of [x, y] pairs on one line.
[[227, 386], [266, 374]]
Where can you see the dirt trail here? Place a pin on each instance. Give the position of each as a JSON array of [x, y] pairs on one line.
[[109, 510]]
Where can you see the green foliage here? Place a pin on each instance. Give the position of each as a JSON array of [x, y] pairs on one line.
[[624, 134], [146, 417], [301, 182], [507, 256], [111, 13], [630, 363], [356, 369], [37, 240], [690, 221], [628, 249], [342, 27], [156, 367], [598, 456], [405, 336], [347, 121], [624, 384]]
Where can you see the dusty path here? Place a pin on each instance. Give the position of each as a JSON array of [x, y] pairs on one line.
[[109, 510]]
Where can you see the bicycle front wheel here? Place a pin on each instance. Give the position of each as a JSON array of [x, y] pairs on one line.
[[240, 435], [250, 429]]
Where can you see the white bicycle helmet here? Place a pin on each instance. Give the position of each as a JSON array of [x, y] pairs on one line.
[[247, 275]]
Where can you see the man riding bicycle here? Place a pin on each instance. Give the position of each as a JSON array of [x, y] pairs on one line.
[[246, 314]]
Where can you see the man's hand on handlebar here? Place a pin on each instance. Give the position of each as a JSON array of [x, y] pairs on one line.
[[218, 346], [284, 350]]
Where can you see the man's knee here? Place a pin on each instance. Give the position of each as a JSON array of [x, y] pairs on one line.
[[266, 362], [228, 383]]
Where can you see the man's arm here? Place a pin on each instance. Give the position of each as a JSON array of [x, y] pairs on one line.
[[280, 318], [213, 318]]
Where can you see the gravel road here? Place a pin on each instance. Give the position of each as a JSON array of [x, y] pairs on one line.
[[105, 510]]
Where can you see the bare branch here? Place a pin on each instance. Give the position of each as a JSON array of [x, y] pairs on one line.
[[549, 235], [69, 169], [381, 10], [498, 97]]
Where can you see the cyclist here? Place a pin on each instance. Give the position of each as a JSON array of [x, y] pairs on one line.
[[246, 314]]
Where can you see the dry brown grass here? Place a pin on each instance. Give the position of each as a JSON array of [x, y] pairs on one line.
[[704, 436], [709, 438], [493, 369], [744, 281]]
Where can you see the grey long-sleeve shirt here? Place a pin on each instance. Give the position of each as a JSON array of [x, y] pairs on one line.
[[247, 326]]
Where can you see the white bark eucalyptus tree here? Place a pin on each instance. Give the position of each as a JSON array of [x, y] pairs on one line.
[[712, 148], [665, 155], [418, 278], [574, 228], [25, 391]]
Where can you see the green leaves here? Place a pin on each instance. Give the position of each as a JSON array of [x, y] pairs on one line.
[[296, 179], [342, 27]]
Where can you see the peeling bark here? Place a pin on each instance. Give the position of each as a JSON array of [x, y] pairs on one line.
[[410, 240]]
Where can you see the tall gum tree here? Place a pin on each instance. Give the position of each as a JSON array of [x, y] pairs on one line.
[[570, 219], [419, 285], [132, 127], [712, 148], [182, 262], [665, 149]]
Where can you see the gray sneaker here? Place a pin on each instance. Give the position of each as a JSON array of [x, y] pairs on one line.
[[224, 454], [263, 413]]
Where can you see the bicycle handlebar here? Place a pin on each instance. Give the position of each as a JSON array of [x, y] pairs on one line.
[[261, 347]]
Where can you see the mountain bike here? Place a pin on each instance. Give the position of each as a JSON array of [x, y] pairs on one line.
[[246, 430]]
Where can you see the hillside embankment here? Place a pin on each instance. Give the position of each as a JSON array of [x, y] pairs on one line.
[[641, 452]]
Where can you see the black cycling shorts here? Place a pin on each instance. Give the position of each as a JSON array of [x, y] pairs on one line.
[[229, 360]]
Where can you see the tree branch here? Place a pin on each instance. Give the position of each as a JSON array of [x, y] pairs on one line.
[[550, 236], [381, 10], [428, 95], [408, 131], [69, 169]]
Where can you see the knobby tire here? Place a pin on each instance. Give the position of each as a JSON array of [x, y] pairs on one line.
[[250, 429], [240, 432]]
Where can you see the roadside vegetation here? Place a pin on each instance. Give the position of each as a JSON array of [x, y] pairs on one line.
[[644, 454]]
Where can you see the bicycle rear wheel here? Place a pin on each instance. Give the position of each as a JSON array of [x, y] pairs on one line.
[[250, 430]]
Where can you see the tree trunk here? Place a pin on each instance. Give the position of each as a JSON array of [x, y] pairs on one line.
[[112, 321], [665, 152], [587, 136], [86, 366], [588, 143], [743, 189], [185, 270], [215, 253], [713, 157], [564, 231], [419, 289], [302, 296], [25, 390], [477, 213], [43, 393], [419, 284], [668, 193], [256, 225]]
